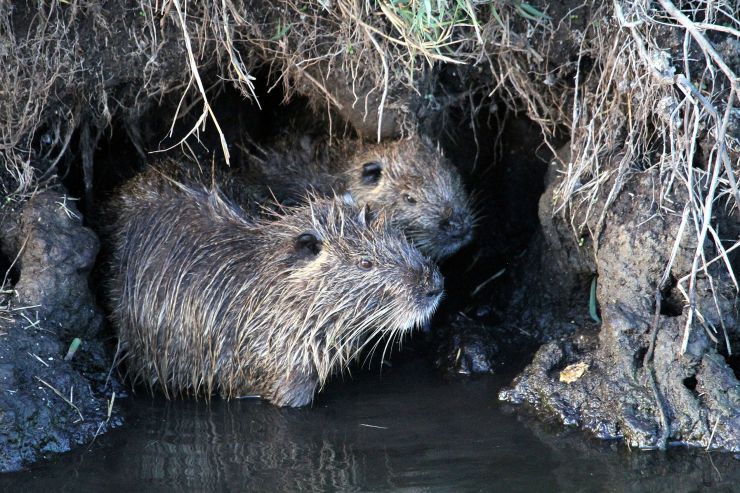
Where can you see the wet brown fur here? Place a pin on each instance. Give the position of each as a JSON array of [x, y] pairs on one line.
[[209, 299]]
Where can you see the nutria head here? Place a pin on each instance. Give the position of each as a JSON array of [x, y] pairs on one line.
[[353, 278], [421, 190]]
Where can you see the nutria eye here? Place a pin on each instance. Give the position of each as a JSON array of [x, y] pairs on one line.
[[365, 264], [409, 199]]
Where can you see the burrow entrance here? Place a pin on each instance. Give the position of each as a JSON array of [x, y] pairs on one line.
[[500, 154]]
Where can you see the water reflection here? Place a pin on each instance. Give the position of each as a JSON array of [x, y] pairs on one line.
[[248, 444], [586, 462], [409, 431]]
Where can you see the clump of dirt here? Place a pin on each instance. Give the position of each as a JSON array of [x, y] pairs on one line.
[[47, 404], [53, 369], [639, 383], [633, 211], [466, 347], [54, 254]]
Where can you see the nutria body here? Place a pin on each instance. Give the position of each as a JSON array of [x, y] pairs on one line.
[[208, 299], [410, 179]]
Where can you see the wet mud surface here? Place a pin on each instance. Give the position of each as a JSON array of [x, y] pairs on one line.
[[48, 405]]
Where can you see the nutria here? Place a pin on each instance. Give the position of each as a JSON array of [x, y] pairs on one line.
[[209, 299], [419, 188]]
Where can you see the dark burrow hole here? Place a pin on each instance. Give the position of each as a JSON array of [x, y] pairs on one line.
[[640, 357], [9, 273], [690, 383], [504, 171], [671, 304], [734, 362], [699, 162]]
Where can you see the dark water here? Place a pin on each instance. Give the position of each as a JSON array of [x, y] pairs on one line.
[[407, 431]]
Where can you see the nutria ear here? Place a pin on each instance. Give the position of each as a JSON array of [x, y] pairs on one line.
[[371, 173], [308, 244]]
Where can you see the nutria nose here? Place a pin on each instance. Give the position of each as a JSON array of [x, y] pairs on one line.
[[435, 285], [434, 294], [455, 226]]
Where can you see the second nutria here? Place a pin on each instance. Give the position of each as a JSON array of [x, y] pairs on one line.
[[419, 188], [208, 299]]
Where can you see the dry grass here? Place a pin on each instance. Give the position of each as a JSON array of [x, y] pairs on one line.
[[377, 49], [52, 89], [55, 95], [641, 105], [51, 92], [68, 400], [651, 107]]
